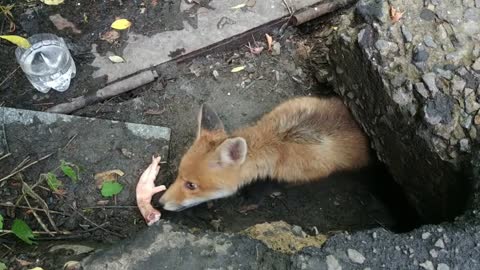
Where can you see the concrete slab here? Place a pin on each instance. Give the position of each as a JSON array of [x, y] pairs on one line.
[[217, 22], [92, 145]]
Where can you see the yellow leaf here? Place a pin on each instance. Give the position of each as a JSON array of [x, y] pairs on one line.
[[106, 176], [52, 2], [237, 69], [17, 40], [116, 59], [121, 24], [238, 6], [269, 41]]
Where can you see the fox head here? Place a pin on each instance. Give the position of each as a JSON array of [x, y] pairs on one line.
[[210, 169]]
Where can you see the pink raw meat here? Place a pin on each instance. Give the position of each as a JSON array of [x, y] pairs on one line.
[[146, 189]]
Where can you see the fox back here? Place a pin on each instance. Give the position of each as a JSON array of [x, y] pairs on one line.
[[303, 139]]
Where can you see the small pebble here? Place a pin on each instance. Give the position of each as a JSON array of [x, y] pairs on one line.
[[439, 243], [429, 80], [420, 54], [407, 35], [442, 266], [215, 74], [427, 15], [428, 265], [297, 231], [374, 235], [476, 65], [433, 253], [421, 90], [355, 256], [426, 235], [332, 263], [428, 40], [276, 48], [464, 145]]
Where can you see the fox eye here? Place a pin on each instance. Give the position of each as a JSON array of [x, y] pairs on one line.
[[190, 185]]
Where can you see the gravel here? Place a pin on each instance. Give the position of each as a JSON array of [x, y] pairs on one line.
[[355, 256]]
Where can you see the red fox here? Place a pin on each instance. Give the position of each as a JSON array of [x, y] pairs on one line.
[[303, 139]]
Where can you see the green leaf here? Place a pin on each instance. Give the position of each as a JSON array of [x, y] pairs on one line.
[[69, 171], [53, 181], [3, 266], [1, 226], [110, 188], [22, 231]]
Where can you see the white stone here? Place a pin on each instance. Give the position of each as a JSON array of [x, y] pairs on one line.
[[332, 263], [428, 265], [442, 266], [440, 243], [355, 256], [426, 235]]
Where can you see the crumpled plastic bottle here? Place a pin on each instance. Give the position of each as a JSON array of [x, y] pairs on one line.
[[47, 63]]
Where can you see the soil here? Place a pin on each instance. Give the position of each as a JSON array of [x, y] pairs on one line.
[[348, 201]]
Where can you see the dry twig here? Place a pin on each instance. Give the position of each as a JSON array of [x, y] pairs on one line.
[[95, 224], [25, 167]]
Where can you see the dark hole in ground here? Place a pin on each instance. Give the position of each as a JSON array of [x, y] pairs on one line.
[[346, 201]]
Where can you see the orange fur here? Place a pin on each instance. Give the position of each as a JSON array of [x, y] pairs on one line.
[[303, 139]]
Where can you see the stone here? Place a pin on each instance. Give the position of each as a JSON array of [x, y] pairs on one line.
[[427, 15], [276, 48], [466, 121], [401, 96], [215, 74], [421, 90], [420, 54], [447, 74], [429, 80], [443, 266], [355, 256], [297, 231], [407, 35], [454, 57], [428, 40], [428, 265], [476, 65], [476, 50], [332, 263], [385, 47], [438, 110], [464, 145], [426, 235], [472, 14], [472, 133], [471, 104], [440, 243], [476, 120], [433, 253], [458, 84], [372, 10]]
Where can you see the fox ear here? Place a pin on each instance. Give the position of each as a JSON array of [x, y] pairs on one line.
[[208, 121], [232, 151]]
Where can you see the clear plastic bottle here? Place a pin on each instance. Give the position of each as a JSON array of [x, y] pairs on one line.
[[47, 63]]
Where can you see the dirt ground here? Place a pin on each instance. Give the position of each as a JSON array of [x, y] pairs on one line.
[[344, 202]]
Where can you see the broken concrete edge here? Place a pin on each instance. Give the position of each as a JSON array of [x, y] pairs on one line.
[[173, 246], [27, 117], [373, 73]]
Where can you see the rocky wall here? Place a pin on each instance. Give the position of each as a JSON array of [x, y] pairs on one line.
[[413, 83]]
